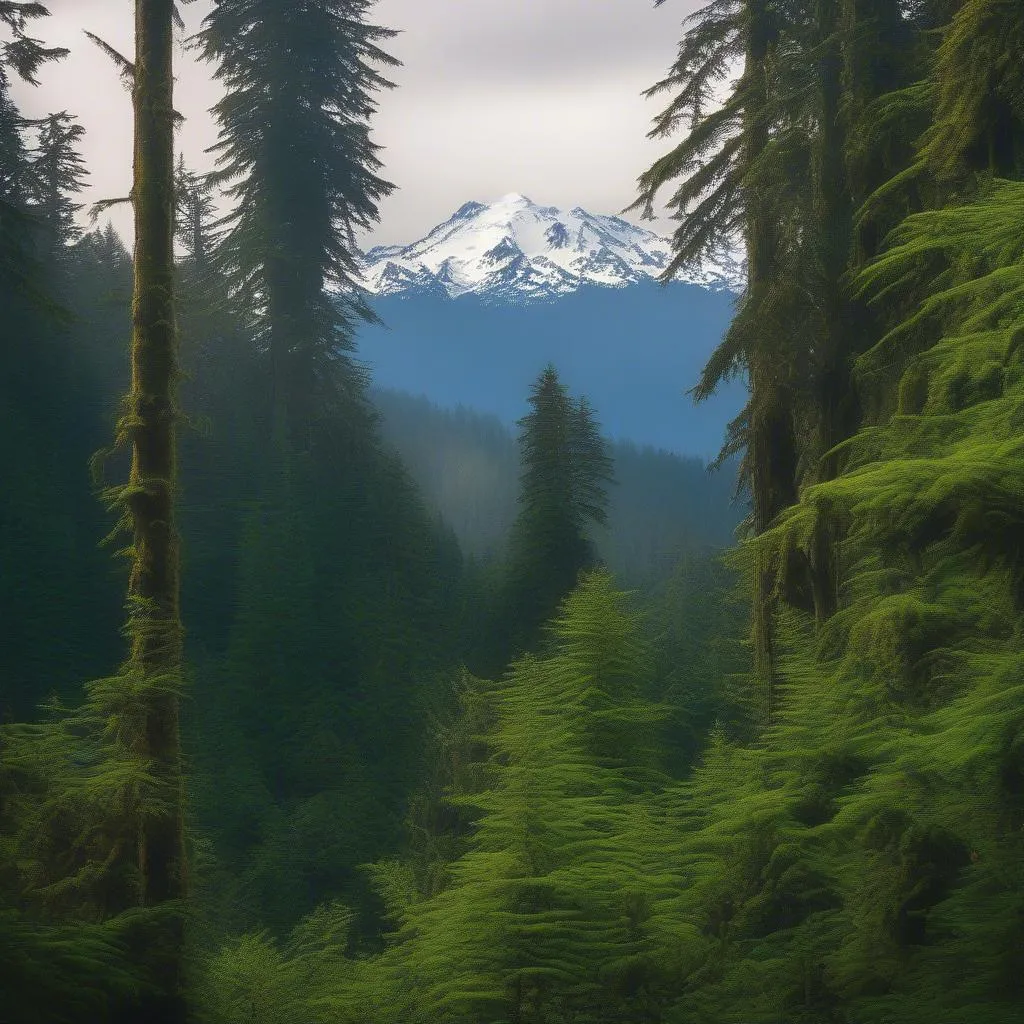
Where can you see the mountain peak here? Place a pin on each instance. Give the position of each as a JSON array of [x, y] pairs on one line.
[[514, 248], [469, 209]]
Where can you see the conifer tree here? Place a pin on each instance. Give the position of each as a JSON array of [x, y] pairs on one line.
[[144, 698], [58, 174], [366, 590], [730, 190], [295, 140], [546, 916], [61, 961], [20, 269], [194, 199], [565, 467]]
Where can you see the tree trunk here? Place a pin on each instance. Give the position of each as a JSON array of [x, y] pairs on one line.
[[154, 624], [834, 221], [772, 444]]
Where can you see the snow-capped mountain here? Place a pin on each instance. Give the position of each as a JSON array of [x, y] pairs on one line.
[[515, 249]]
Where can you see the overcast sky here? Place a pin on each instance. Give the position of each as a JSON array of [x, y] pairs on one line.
[[495, 96]]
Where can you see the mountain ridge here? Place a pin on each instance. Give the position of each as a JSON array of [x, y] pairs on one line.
[[634, 352], [516, 250]]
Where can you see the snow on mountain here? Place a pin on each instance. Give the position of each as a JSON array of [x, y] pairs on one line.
[[514, 249]]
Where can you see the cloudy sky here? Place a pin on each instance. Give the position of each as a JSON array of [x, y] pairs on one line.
[[495, 96]]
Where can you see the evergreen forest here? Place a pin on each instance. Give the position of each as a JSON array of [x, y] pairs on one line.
[[300, 726]]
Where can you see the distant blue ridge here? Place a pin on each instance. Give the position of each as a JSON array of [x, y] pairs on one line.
[[633, 351]]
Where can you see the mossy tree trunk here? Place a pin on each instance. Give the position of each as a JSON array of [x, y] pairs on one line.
[[837, 408], [149, 425], [771, 441]]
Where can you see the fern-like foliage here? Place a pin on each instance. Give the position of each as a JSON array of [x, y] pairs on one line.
[[546, 914]]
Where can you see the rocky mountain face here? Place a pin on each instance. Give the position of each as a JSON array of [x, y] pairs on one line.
[[513, 250]]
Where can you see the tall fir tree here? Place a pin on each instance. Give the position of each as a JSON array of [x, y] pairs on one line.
[[565, 470], [23, 55], [546, 914], [60, 962], [143, 700], [367, 625], [195, 205], [58, 173], [295, 140], [730, 192]]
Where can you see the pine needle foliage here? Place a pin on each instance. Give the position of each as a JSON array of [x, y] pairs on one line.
[[979, 115], [59, 173], [71, 804], [565, 472], [545, 914], [912, 690], [255, 979], [23, 53], [296, 156], [846, 861]]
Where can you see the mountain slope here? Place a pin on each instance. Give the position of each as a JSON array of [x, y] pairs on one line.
[[633, 351], [514, 249]]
